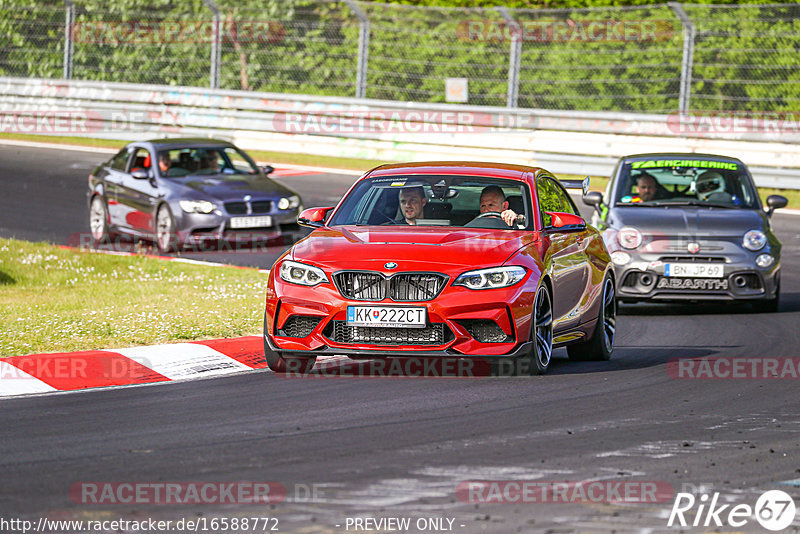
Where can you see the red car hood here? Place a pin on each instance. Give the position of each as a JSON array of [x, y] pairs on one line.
[[413, 249]]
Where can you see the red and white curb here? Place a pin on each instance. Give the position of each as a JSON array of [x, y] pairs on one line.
[[46, 373]]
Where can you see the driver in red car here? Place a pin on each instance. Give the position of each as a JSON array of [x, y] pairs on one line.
[[412, 201], [493, 199]]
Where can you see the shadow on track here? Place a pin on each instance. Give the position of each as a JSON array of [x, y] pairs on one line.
[[790, 302], [641, 357]]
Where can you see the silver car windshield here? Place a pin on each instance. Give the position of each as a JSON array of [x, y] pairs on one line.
[[204, 160], [670, 182]]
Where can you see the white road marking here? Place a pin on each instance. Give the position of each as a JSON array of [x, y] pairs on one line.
[[183, 360], [15, 381]]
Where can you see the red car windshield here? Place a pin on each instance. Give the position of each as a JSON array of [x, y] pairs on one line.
[[433, 201]]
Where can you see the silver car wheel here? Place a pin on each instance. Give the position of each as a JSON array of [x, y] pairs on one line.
[[98, 220], [165, 230]]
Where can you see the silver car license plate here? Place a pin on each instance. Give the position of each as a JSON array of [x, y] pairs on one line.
[[251, 222]]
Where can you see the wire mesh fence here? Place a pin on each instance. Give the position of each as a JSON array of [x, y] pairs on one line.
[[634, 59]]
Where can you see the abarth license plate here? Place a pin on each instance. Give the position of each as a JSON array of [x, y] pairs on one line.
[[251, 222], [387, 316], [693, 270]]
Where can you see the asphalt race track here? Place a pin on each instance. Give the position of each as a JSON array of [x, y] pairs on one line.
[[379, 448]]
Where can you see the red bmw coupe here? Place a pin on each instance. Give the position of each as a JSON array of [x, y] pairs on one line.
[[444, 260]]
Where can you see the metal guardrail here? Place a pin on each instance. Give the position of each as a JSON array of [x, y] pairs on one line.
[[563, 141]]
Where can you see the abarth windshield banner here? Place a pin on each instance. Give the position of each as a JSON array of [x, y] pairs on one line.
[[684, 163]]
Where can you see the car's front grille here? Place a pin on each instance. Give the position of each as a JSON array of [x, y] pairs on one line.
[[236, 208], [433, 334], [693, 259], [405, 287], [401, 287], [299, 326], [262, 206], [239, 207], [359, 285]]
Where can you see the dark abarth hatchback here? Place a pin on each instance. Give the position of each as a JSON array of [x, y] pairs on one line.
[[178, 192], [689, 227]]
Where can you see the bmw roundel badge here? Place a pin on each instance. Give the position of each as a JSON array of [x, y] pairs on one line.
[[390, 265]]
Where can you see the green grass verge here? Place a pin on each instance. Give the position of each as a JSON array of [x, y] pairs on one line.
[[57, 300]]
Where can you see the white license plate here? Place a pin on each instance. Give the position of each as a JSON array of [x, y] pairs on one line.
[[251, 222], [693, 270], [392, 317]]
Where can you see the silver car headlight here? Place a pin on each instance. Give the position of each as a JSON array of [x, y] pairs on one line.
[[629, 237], [302, 274], [491, 278], [197, 206], [288, 203], [754, 240]]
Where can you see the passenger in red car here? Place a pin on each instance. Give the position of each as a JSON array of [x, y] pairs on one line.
[[412, 202], [493, 199]]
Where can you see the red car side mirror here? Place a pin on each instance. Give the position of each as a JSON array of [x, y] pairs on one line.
[[566, 221], [313, 217]]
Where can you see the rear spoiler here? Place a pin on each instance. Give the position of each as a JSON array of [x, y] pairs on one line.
[[576, 184]]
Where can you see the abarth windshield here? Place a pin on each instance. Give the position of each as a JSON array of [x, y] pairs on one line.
[[678, 182], [434, 200]]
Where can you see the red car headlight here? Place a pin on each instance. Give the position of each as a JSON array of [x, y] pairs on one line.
[[302, 274], [491, 278]]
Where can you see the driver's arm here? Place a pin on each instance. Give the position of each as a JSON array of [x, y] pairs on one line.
[[509, 217]]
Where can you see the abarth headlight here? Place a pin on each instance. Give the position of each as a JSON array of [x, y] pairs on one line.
[[620, 258], [629, 237], [754, 240], [491, 278], [765, 260], [197, 206], [302, 274], [288, 203]]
